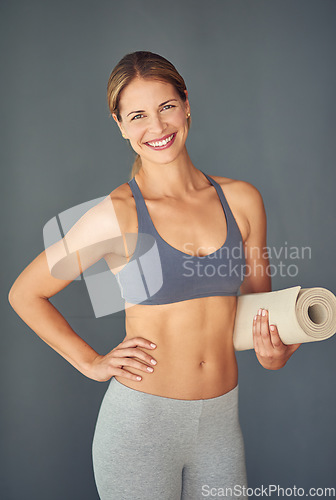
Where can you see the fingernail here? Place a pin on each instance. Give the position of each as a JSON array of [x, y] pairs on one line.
[[153, 345], [149, 368], [153, 361], [272, 328], [264, 312], [255, 317], [259, 312]]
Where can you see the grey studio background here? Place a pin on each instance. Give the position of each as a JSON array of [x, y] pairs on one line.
[[261, 82]]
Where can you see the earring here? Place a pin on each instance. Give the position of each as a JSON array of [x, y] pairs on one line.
[[124, 136], [188, 115]]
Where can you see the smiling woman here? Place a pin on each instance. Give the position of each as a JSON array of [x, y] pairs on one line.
[[157, 127], [126, 78], [168, 423]]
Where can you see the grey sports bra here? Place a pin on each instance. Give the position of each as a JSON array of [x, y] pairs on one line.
[[158, 273]]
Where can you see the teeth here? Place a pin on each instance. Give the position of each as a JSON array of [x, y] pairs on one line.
[[161, 143]]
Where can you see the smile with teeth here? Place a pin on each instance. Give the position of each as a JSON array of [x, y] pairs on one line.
[[161, 143]]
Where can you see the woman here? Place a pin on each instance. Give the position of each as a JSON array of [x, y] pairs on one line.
[[168, 426]]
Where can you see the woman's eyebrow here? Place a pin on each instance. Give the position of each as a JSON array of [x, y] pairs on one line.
[[142, 110]]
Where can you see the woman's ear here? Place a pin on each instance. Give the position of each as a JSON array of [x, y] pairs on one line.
[[186, 102], [114, 116]]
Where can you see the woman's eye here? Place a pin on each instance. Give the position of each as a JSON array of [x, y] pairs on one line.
[[168, 106]]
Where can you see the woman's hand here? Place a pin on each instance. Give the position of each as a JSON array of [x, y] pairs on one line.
[[271, 352], [114, 363]]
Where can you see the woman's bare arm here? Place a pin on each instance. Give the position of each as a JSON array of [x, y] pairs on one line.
[[96, 233], [257, 278], [271, 352]]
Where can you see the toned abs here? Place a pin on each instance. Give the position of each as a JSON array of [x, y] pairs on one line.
[[195, 355]]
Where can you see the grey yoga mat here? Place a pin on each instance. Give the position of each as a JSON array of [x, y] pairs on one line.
[[300, 314]]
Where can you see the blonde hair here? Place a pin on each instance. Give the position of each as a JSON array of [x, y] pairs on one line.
[[144, 65]]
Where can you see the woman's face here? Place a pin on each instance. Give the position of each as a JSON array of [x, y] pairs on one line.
[[152, 112]]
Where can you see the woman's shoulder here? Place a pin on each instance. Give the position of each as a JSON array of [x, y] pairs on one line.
[[122, 201], [122, 197], [121, 194], [243, 191], [246, 203], [111, 214]]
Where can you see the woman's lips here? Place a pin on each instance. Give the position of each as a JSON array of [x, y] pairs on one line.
[[165, 146]]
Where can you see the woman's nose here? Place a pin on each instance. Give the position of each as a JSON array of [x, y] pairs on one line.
[[156, 124]]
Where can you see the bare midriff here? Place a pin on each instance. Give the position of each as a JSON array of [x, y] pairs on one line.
[[195, 354]]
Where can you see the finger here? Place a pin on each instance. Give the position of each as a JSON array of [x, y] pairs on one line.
[[134, 352], [122, 362], [275, 337], [256, 334], [138, 341], [265, 332], [121, 372]]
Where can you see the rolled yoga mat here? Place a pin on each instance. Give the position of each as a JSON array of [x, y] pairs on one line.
[[300, 314]]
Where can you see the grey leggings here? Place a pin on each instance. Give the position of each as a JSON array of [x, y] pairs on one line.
[[152, 447]]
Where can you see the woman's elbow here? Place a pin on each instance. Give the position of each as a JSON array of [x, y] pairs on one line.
[[260, 285], [14, 296], [17, 295]]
